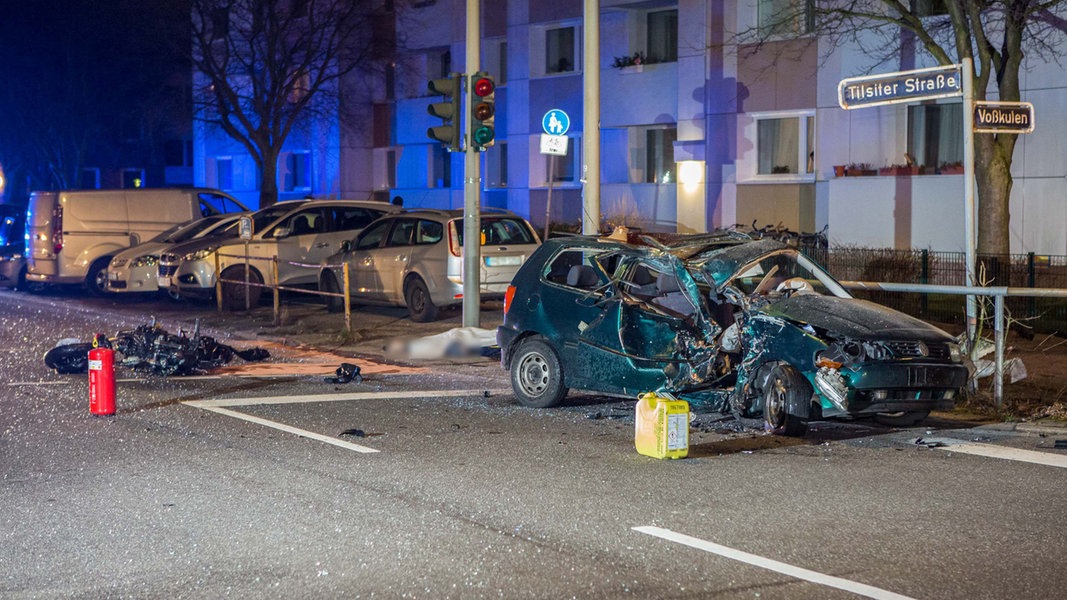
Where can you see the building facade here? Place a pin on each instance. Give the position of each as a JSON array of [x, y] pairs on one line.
[[697, 131]]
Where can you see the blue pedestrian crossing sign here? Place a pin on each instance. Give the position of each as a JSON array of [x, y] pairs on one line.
[[556, 122]]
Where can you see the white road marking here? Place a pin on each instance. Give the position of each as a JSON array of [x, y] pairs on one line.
[[219, 406], [343, 397], [289, 429], [992, 451], [860, 589]]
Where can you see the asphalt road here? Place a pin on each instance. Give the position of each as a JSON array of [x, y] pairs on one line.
[[430, 482]]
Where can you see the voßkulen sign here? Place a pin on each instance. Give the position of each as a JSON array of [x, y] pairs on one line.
[[1003, 117]]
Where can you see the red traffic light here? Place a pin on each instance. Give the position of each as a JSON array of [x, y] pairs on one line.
[[483, 87]]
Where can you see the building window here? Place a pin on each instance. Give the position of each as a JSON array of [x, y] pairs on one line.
[[440, 167], [224, 173], [495, 60], [560, 54], [90, 179], [928, 8], [132, 178], [662, 32], [785, 145], [659, 155], [785, 17], [496, 165], [935, 134], [296, 171]]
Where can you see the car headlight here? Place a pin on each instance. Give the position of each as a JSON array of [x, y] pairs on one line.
[[954, 352], [147, 260], [200, 254]]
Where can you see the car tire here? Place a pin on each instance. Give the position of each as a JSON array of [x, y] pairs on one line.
[[233, 294], [420, 306], [96, 277], [902, 418], [782, 388], [329, 285], [537, 375]]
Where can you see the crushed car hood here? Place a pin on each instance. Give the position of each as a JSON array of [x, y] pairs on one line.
[[852, 317]]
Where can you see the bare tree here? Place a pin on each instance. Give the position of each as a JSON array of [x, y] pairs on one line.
[[995, 34], [264, 67]]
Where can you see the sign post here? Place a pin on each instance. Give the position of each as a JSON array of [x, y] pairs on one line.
[[554, 143]]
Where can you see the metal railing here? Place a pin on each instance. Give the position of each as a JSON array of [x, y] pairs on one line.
[[997, 293], [276, 288]]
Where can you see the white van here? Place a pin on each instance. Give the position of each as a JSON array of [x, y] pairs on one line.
[[72, 235]]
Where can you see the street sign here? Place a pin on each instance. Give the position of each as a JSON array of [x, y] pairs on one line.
[[1003, 117], [556, 122], [554, 144], [901, 86], [244, 228]]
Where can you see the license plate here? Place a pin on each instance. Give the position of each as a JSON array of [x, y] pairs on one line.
[[503, 261], [164, 282]]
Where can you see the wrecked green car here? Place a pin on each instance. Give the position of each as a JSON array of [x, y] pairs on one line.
[[730, 324]]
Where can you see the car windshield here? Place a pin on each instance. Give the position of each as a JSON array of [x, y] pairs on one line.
[[266, 216], [784, 269]]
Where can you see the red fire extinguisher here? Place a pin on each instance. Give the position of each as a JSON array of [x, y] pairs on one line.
[[101, 380]]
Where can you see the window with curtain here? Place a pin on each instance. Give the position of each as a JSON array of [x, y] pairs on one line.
[[785, 145], [662, 31], [659, 155], [785, 17], [559, 50], [935, 134]]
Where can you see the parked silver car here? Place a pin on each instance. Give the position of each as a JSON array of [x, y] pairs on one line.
[[414, 259], [299, 233], [136, 269]]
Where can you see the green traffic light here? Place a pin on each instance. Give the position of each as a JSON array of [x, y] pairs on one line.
[[483, 135]]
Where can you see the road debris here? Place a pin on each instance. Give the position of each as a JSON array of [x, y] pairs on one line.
[[346, 373]]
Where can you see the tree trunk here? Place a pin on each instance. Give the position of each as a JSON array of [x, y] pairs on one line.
[[268, 181], [994, 184]]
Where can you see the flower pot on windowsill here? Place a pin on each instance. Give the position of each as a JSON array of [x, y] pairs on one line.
[[951, 170], [839, 170], [860, 172], [898, 171]]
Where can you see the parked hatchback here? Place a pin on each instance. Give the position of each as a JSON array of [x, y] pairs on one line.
[[730, 324], [415, 259], [299, 233]]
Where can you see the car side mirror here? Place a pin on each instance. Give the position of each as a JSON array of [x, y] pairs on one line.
[[346, 246]]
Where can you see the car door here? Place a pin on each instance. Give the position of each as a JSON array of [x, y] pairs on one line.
[[301, 246], [641, 342], [364, 279]]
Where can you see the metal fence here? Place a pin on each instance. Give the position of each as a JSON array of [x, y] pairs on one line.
[[948, 268]]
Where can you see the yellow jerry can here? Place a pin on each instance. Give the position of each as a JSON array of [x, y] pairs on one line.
[[661, 426]]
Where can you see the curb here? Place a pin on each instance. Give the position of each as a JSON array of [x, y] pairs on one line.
[[1054, 428]]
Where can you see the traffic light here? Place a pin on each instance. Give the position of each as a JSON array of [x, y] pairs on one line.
[[448, 111], [483, 109]]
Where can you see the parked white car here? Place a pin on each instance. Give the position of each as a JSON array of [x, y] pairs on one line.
[[137, 269], [299, 233], [415, 259]]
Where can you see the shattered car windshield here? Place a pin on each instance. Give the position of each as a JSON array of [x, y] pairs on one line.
[[765, 266]]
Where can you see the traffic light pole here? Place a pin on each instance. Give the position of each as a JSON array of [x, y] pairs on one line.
[[472, 218]]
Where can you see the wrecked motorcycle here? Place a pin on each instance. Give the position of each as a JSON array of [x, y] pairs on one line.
[[153, 349]]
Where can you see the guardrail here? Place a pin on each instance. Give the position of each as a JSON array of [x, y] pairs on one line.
[[277, 289], [998, 293]]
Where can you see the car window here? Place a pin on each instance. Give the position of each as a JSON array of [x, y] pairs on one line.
[[767, 274], [264, 217], [499, 231], [402, 232], [306, 222], [373, 235], [213, 204], [350, 218], [573, 268], [429, 232]]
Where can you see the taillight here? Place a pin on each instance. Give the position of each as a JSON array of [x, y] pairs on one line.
[[509, 295], [453, 239], [57, 228]]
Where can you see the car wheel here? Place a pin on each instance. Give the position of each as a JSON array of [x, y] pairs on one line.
[[902, 418], [536, 375], [329, 285], [233, 294], [781, 390], [420, 306], [96, 277]]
